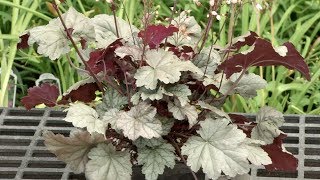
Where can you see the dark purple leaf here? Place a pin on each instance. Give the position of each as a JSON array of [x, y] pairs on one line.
[[248, 40], [154, 34], [23, 41], [281, 161], [84, 93], [263, 54], [45, 93]]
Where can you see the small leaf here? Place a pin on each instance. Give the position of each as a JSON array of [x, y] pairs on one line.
[[181, 91], [214, 110], [189, 31], [153, 35], [106, 30], [264, 54], [269, 120], [74, 149], [182, 112], [83, 116], [218, 149], [155, 94], [112, 99], [257, 155], [281, 159], [248, 84], [83, 91], [23, 41], [140, 121], [155, 159], [163, 66], [46, 94], [106, 163]]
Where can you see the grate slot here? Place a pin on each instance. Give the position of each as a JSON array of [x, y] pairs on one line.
[[12, 152], [312, 151], [20, 122], [41, 175], [313, 140], [265, 173], [58, 123], [42, 153], [312, 162], [76, 176], [312, 174], [60, 114], [17, 132], [291, 140], [14, 142], [22, 112], [290, 129], [7, 174], [10, 163], [312, 130], [46, 164]]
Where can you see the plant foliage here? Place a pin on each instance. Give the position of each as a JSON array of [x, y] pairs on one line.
[[157, 98]]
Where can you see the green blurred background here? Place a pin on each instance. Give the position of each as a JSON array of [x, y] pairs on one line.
[[297, 21]]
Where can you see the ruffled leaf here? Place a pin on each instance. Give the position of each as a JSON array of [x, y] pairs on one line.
[[183, 112], [106, 163]]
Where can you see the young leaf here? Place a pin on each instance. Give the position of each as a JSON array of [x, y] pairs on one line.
[[218, 149], [106, 30], [112, 99], [269, 120], [74, 149], [52, 38], [163, 66], [248, 84], [83, 91], [281, 159], [23, 41], [181, 91], [257, 155], [107, 163], [140, 121], [182, 112], [83, 116], [262, 53], [46, 94], [154, 159], [155, 94], [189, 31], [153, 35]]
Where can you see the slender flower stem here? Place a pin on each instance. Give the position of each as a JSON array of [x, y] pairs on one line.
[[113, 8], [77, 49]]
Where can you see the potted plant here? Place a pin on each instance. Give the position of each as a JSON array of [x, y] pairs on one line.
[[153, 97]]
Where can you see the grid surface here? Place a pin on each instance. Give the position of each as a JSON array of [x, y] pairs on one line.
[[24, 156]]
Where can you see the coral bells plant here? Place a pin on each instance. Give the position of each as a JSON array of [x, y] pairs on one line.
[[153, 97]]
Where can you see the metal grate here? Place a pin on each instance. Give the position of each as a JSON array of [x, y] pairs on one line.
[[24, 156]]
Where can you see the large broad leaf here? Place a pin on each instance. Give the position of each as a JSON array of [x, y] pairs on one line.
[[163, 66], [46, 94], [257, 155], [153, 35], [248, 85], [246, 39], [83, 116], [207, 61], [106, 163], [180, 91], [83, 91], [269, 120], [106, 33], [282, 160], [189, 31], [155, 158], [218, 149], [183, 112], [74, 149], [140, 121], [52, 39], [262, 53]]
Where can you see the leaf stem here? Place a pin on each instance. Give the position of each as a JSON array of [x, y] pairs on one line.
[[175, 145], [77, 49]]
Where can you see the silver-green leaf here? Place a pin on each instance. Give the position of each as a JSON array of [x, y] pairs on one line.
[[106, 163]]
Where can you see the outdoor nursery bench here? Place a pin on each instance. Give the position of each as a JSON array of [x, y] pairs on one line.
[[24, 156]]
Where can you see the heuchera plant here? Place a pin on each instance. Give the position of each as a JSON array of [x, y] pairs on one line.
[[160, 98]]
